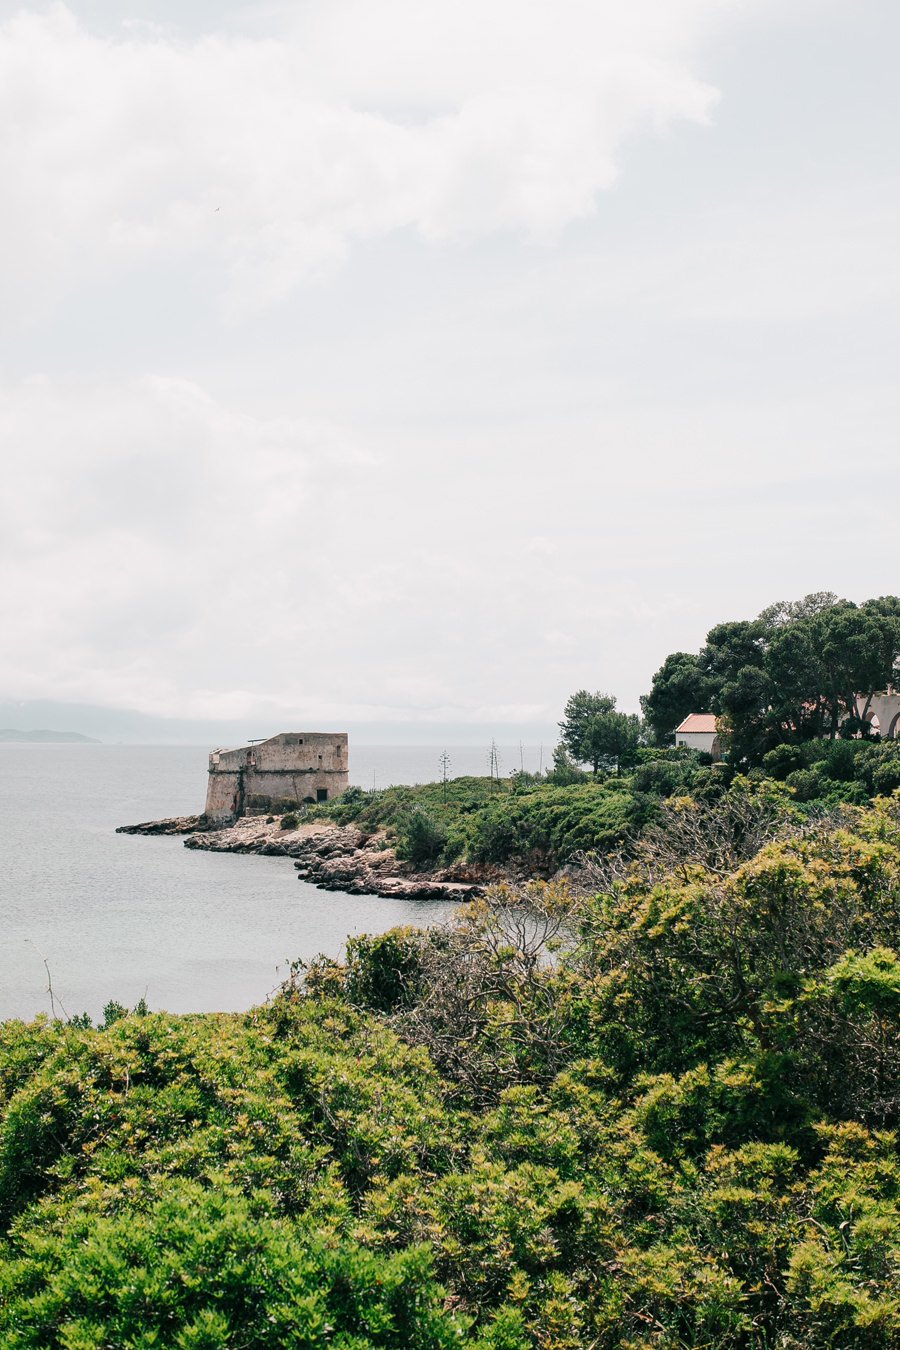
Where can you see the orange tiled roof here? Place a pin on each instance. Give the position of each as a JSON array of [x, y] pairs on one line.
[[699, 722]]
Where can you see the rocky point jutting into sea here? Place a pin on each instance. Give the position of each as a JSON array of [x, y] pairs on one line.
[[333, 857], [253, 795]]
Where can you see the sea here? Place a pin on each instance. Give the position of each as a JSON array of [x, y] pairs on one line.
[[90, 916]]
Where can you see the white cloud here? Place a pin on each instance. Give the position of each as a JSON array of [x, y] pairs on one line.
[[580, 448], [269, 157], [171, 552], [146, 528], [164, 551]]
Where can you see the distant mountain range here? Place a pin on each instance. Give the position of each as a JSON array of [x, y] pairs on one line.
[[48, 737], [121, 726]]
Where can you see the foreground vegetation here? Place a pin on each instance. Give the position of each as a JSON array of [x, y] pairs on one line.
[[656, 1110]]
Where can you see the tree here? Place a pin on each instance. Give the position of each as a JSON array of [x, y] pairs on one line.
[[788, 611], [731, 648], [803, 670], [612, 736], [820, 664], [565, 771], [743, 708], [733, 660], [883, 617], [680, 687], [579, 711]]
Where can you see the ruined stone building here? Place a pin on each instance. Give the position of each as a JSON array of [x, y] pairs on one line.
[[286, 771]]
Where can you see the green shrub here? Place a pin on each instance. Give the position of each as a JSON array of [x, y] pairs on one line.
[[807, 784], [382, 970], [196, 1267], [728, 1104], [885, 769], [565, 771], [549, 825], [783, 760], [421, 840], [113, 1012]]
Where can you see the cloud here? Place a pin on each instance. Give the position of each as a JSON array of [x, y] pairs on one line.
[[167, 551], [267, 158], [175, 553], [146, 528], [578, 446]]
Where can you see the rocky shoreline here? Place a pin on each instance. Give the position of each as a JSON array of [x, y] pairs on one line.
[[175, 825], [332, 857]]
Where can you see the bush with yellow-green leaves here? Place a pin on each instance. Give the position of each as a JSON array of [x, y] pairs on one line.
[[661, 1115]]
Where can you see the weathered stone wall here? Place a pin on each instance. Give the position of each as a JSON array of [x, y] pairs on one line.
[[223, 796], [293, 767]]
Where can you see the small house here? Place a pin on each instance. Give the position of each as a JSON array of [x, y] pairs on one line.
[[698, 731]]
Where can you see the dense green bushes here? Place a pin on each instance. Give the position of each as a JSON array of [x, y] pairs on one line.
[[530, 820], [835, 771], [661, 1113], [198, 1266], [422, 840], [542, 823], [553, 823]]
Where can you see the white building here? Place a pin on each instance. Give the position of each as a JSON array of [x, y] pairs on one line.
[[883, 712], [698, 732]]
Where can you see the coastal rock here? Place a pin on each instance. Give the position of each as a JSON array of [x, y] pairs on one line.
[[259, 834], [332, 857], [175, 825], [347, 860]]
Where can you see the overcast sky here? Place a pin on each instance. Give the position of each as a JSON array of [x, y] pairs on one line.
[[406, 361]]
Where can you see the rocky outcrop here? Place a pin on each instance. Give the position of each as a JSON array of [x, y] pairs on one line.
[[335, 858], [346, 860], [175, 825], [258, 834]]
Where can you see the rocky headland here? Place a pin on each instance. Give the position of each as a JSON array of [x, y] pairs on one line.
[[332, 857], [174, 825]]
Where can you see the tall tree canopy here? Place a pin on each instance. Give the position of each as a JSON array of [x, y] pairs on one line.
[[580, 734], [612, 736], [680, 687], [793, 673]]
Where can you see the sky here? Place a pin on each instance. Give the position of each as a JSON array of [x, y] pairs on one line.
[[408, 365]]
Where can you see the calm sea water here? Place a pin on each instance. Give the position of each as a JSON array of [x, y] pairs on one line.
[[123, 917]]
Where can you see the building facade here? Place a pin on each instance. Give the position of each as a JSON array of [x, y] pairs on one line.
[[884, 709], [881, 710], [291, 769], [698, 732]]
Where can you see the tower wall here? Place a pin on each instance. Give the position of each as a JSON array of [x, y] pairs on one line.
[[290, 769]]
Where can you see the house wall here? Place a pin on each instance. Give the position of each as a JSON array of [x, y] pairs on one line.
[[700, 740], [886, 707], [292, 767]]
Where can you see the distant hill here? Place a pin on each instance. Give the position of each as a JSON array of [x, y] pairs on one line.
[[48, 737], [121, 726]]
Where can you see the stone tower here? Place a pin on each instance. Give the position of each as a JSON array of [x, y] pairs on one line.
[[286, 771]]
